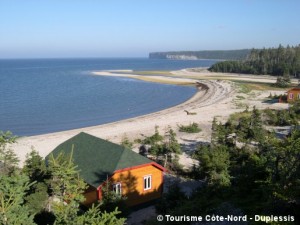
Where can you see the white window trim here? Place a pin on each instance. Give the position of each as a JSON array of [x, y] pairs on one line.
[[117, 187], [148, 185], [291, 96]]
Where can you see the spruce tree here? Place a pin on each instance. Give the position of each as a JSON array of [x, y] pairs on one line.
[[67, 194], [214, 165], [67, 189], [37, 196], [13, 189], [35, 166], [171, 147], [8, 159]]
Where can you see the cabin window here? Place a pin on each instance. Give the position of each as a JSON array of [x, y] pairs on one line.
[[291, 96], [147, 182], [298, 95], [117, 188]]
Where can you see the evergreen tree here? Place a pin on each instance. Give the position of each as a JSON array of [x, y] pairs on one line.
[[242, 130], [93, 217], [35, 167], [111, 200], [8, 159], [67, 189], [214, 165], [155, 139], [13, 211], [171, 147], [218, 136], [155, 142], [214, 132], [256, 131], [67, 194], [37, 196]]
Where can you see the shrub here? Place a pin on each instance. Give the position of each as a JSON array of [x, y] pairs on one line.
[[192, 128]]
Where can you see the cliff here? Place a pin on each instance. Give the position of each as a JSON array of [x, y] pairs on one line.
[[194, 55]]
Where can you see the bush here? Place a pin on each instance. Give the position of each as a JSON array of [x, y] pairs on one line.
[[192, 128], [126, 143], [283, 82], [280, 117]]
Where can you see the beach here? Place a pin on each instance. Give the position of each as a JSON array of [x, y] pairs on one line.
[[214, 98]]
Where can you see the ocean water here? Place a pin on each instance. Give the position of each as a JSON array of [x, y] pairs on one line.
[[40, 96]]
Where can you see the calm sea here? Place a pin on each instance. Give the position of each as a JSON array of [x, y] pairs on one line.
[[47, 95]]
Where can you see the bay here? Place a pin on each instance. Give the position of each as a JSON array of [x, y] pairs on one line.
[[40, 96]]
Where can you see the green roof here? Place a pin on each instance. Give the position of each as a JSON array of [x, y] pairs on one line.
[[97, 159]]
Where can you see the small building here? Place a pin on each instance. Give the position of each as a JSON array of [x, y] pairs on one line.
[[293, 94], [130, 174]]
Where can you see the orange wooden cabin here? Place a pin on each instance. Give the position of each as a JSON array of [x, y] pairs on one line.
[[137, 178], [293, 94]]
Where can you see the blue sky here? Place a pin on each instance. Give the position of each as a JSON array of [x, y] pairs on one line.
[[133, 28]]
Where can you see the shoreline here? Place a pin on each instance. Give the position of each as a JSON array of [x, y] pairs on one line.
[[134, 127], [214, 98]]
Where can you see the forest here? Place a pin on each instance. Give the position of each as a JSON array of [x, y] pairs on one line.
[[272, 61]]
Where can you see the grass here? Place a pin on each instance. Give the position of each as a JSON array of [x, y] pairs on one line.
[[243, 88], [247, 86]]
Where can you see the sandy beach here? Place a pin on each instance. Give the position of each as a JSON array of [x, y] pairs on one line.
[[214, 98]]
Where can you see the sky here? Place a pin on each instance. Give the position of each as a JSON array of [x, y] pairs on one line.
[[133, 28]]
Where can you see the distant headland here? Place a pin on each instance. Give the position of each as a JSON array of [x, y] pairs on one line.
[[196, 55]]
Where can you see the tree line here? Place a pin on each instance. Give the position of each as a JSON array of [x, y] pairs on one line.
[[273, 61]]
